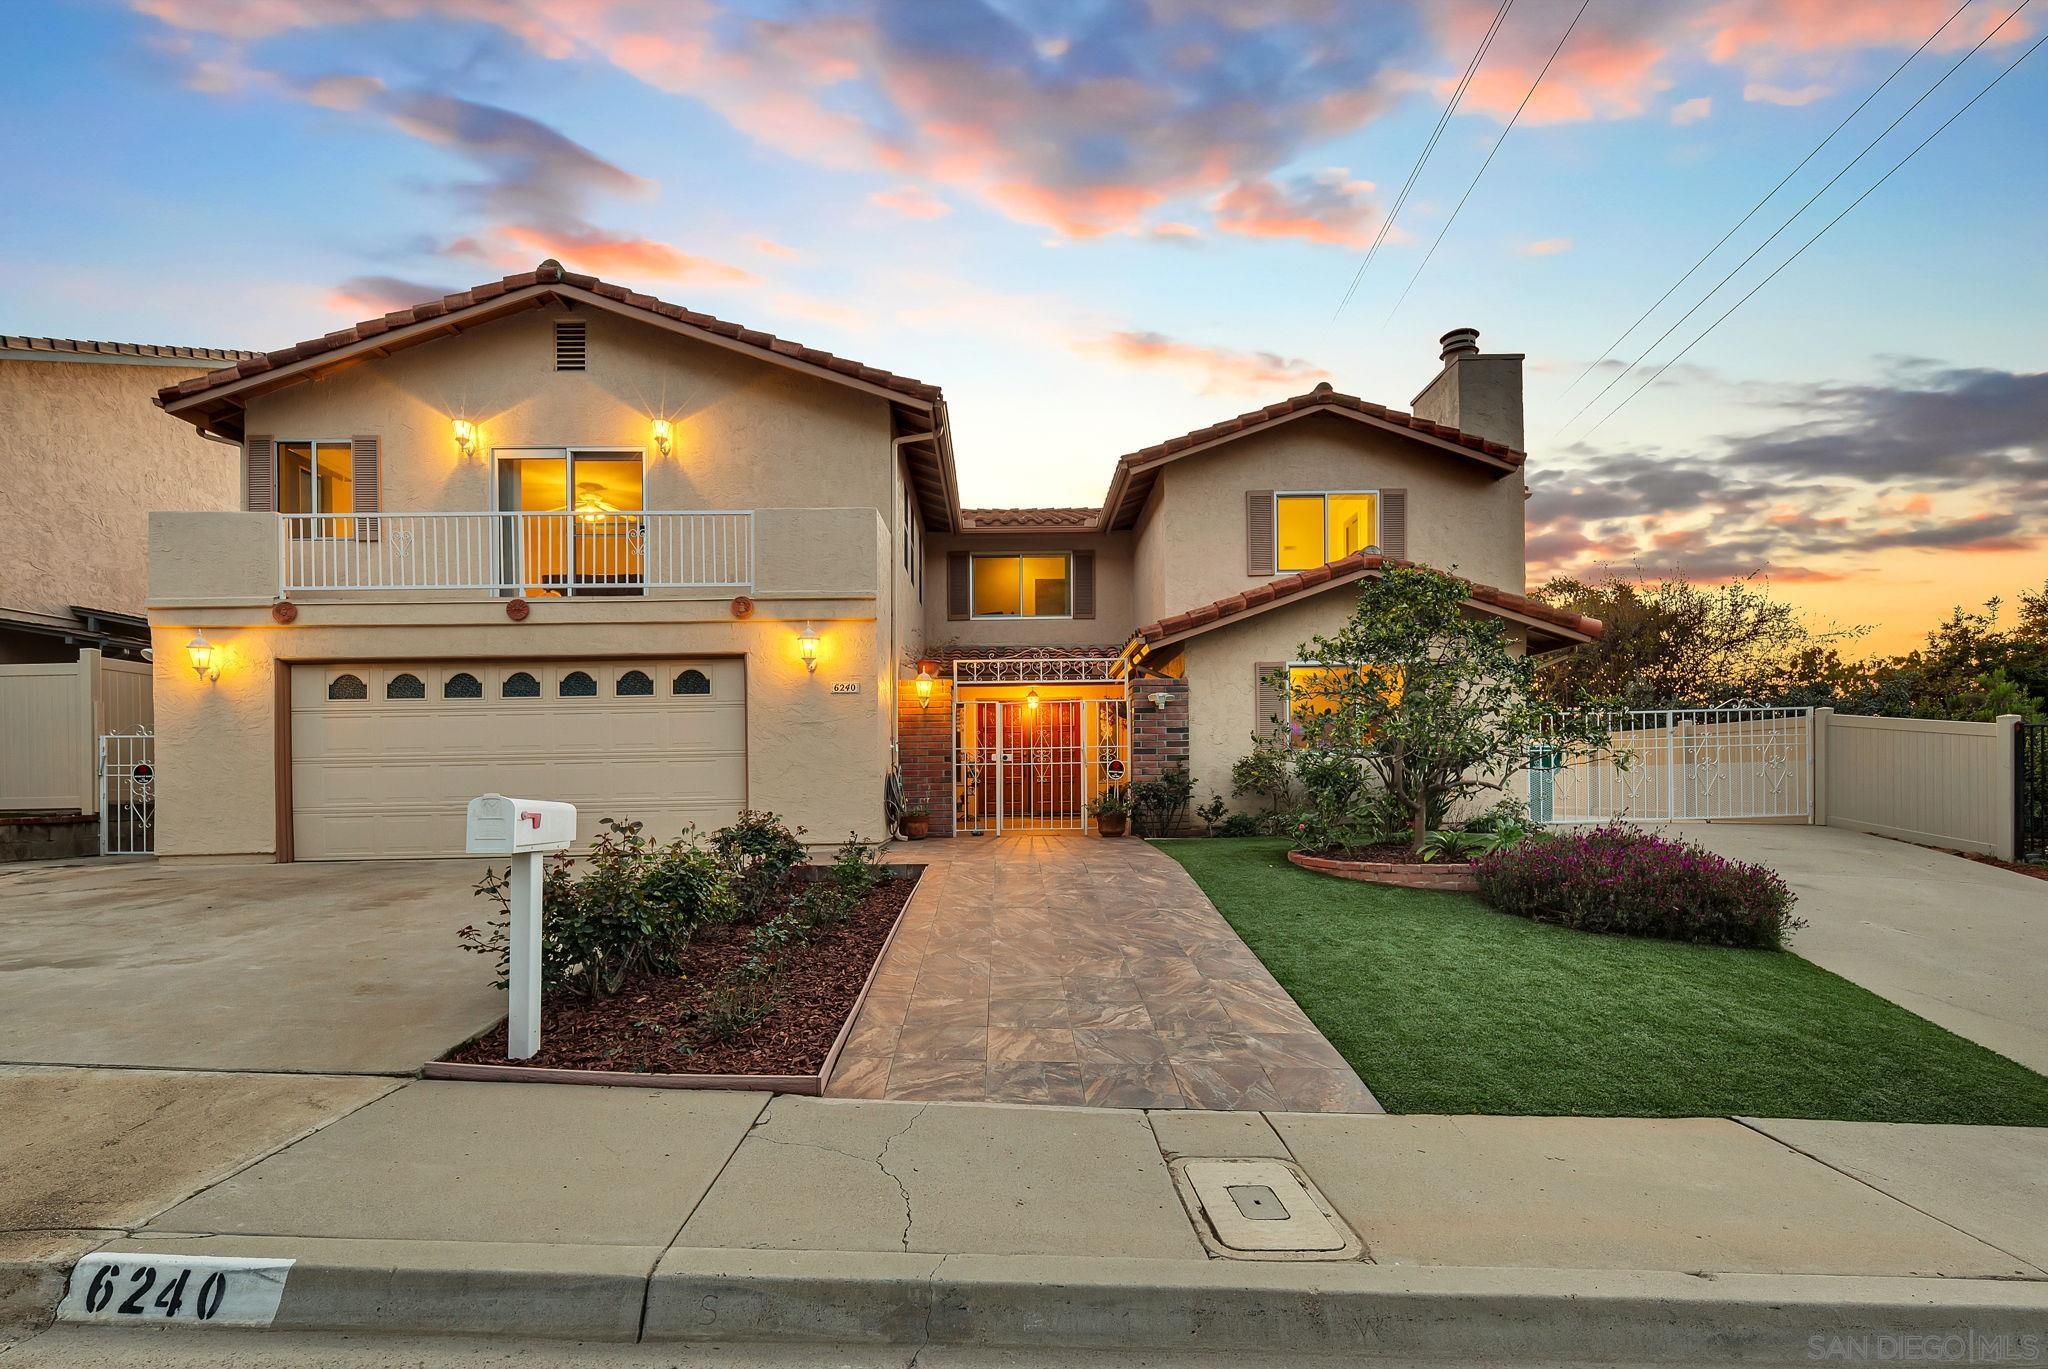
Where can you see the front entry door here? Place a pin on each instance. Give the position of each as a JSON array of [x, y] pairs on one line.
[[1026, 767]]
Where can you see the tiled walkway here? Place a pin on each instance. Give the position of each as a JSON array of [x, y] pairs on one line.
[[1077, 970]]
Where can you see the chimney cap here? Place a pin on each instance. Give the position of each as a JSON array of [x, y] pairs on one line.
[[1459, 342]]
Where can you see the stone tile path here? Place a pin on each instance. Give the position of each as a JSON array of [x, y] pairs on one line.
[[1077, 970]]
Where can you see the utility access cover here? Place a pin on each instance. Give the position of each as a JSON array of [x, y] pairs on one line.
[[1251, 1209]]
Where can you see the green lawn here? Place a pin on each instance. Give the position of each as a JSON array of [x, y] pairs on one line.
[[1443, 1005]]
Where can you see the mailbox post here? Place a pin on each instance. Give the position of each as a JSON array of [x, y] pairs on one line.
[[525, 830]]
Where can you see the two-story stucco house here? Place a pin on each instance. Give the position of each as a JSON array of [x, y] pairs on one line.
[[555, 537]]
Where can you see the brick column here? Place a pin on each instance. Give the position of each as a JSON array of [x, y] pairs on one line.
[[1159, 736], [924, 751]]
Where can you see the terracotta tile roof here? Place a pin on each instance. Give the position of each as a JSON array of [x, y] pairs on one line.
[[65, 347], [549, 272], [1322, 396], [1029, 518], [1358, 563]]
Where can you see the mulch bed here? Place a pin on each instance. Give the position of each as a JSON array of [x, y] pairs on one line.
[[2018, 868], [649, 1026]]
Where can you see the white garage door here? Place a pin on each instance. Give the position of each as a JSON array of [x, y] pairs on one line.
[[386, 757]]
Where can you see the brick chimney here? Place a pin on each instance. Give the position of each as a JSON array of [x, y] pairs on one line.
[[1476, 392]]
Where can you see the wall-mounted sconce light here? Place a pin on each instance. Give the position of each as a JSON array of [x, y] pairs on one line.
[[924, 687], [1031, 699], [465, 438], [205, 658], [807, 647], [664, 436]]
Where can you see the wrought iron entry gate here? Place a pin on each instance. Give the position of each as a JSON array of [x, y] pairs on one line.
[[127, 771], [1678, 764], [2030, 790], [1034, 767]]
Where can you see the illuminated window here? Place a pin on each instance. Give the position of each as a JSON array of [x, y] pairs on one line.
[[1311, 529], [1313, 690], [317, 478], [1029, 586]]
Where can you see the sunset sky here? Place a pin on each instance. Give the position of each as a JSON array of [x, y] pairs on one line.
[[1101, 223]]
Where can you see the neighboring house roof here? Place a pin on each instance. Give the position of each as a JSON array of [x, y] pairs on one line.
[[1560, 626], [1011, 519], [1136, 471], [85, 349], [213, 402]]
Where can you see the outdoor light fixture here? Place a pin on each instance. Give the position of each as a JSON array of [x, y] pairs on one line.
[[664, 436], [465, 438], [205, 658], [807, 647], [1031, 699], [1161, 699], [924, 688]]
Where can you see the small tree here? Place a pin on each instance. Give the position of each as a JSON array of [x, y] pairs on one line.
[[1426, 695]]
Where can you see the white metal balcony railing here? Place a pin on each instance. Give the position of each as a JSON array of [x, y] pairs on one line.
[[613, 552]]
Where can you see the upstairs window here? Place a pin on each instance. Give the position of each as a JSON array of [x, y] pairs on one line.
[[572, 346], [1035, 585], [1312, 529], [317, 478]]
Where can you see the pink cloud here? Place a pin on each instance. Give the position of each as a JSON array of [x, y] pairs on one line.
[[768, 247], [601, 253], [1545, 247], [1214, 369], [1692, 111], [1765, 93], [1329, 207], [912, 202]]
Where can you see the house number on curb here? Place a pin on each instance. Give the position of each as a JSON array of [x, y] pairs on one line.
[[847, 687], [197, 1290]]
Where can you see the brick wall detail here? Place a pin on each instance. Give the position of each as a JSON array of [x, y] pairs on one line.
[[924, 751]]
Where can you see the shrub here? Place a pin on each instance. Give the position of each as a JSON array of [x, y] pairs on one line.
[[1334, 782], [1315, 831], [1210, 814], [1112, 802], [1261, 773], [758, 853], [1622, 879], [732, 1007], [1239, 825], [1158, 805], [822, 903], [857, 870]]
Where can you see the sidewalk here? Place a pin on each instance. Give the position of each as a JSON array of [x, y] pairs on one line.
[[622, 1215]]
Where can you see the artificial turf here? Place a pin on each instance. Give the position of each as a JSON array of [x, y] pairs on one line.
[[1443, 1005]]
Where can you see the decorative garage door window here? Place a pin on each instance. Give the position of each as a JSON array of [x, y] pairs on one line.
[[636, 683], [692, 682], [462, 685], [405, 686], [520, 685], [347, 687], [577, 684]]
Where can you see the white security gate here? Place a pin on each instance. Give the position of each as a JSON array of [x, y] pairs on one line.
[[1035, 766], [127, 771], [1681, 764]]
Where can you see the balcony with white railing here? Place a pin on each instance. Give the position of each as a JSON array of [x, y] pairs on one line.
[[577, 554]]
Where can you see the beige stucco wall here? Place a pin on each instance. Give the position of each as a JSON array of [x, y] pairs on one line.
[[1114, 605], [84, 457], [1459, 516]]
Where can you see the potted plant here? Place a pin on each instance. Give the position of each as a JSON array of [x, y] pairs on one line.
[[917, 823], [1112, 810]]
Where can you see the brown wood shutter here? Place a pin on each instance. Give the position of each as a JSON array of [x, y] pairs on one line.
[[1084, 584], [956, 585], [367, 454], [1394, 523], [259, 474], [1269, 715], [1258, 532]]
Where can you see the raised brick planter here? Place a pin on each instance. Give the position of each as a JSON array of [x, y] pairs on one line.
[[1453, 877]]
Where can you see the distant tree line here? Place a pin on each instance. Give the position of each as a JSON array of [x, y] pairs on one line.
[[1671, 643]]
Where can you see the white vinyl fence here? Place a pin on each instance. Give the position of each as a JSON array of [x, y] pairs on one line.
[[1937, 783], [51, 719], [1681, 764]]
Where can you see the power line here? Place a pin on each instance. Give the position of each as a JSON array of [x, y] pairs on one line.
[[1815, 152], [1817, 236], [1793, 217], [1489, 160], [1450, 107]]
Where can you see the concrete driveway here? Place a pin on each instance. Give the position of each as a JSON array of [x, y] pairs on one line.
[[1957, 941], [335, 969]]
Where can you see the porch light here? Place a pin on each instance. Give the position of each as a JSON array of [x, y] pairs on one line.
[[1031, 699], [664, 436], [465, 438], [205, 658], [807, 647], [924, 688]]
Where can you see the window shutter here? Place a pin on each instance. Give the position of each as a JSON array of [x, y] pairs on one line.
[[1084, 584], [259, 474], [572, 346], [367, 457], [1270, 699], [1258, 532], [1394, 523], [956, 585]]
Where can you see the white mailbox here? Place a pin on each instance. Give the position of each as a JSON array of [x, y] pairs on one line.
[[499, 826]]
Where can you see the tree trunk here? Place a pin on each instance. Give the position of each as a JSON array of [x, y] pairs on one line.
[[1420, 819]]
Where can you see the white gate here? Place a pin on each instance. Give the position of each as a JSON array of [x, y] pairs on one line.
[[1681, 764], [127, 770], [1034, 766]]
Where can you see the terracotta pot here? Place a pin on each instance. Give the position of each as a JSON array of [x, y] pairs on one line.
[[1111, 824], [917, 827]]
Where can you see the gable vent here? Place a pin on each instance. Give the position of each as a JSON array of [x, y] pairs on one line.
[[572, 349]]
